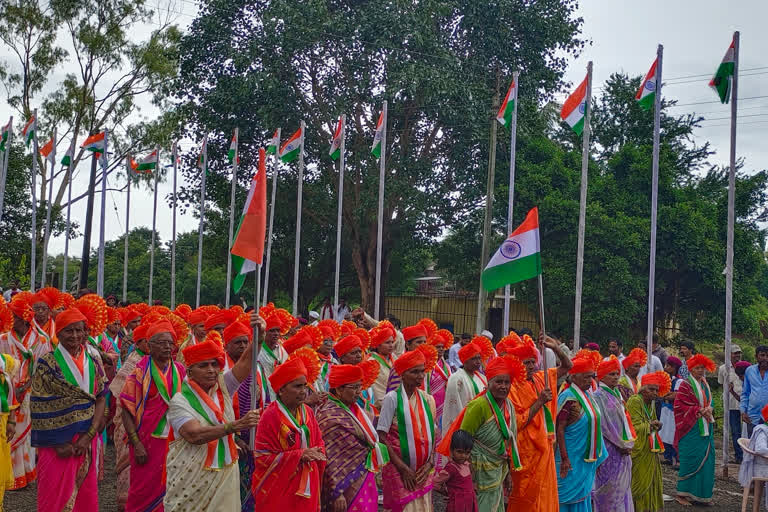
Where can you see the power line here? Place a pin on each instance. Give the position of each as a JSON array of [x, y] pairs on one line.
[[710, 74]]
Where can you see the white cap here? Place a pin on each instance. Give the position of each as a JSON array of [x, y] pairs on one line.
[[488, 334], [314, 315], [735, 348]]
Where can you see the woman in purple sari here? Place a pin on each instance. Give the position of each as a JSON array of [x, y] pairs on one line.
[[612, 491]]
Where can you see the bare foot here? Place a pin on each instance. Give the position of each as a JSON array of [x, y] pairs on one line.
[[684, 502]]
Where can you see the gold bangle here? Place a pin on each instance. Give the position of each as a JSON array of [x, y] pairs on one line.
[[227, 428]]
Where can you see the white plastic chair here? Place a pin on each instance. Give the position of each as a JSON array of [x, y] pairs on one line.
[[757, 482]]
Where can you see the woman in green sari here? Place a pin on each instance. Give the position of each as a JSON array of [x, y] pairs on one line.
[[694, 429]]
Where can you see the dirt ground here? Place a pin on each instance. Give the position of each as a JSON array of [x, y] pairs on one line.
[[727, 492]]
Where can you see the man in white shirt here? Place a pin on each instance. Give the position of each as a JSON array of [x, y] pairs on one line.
[[656, 365], [342, 311], [13, 290], [615, 348], [728, 373], [326, 311], [453, 353]]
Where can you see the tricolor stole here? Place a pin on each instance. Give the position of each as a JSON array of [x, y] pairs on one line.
[[85, 380], [654, 438], [504, 422], [704, 396], [595, 435], [444, 372], [158, 377], [416, 428], [324, 371], [7, 400], [41, 332], [628, 433], [378, 455], [549, 422], [385, 363], [222, 452], [299, 424], [261, 381]]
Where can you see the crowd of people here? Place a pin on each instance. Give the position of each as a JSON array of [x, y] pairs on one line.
[[349, 414]]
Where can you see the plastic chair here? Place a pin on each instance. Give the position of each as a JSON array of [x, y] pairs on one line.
[[757, 482]]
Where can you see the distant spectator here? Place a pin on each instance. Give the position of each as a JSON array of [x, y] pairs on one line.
[[13, 290], [615, 348], [326, 311], [659, 351], [112, 301], [656, 365], [342, 311], [453, 353], [726, 376], [687, 350], [754, 394]]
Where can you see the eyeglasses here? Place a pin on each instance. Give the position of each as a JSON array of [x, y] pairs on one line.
[[353, 387]]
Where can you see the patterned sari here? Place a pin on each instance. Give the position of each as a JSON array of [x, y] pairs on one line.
[[613, 481], [694, 442]]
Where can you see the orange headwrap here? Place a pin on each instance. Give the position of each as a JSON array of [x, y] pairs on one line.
[[139, 333], [183, 310], [582, 365], [636, 355], [347, 344], [68, 317], [342, 374], [701, 360], [204, 351], [380, 334], [298, 340], [159, 327], [274, 320], [606, 367], [414, 331], [429, 326], [370, 370], [409, 360], [468, 351], [21, 307], [225, 316], [127, 315], [330, 328], [506, 365], [48, 295], [197, 316], [287, 372], [236, 330], [660, 379]]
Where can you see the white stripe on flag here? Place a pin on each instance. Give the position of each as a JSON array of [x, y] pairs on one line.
[[516, 247]]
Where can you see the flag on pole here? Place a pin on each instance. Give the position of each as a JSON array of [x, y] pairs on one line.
[[508, 106], [48, 152], [274, 143], [290, 150], [69, 155], [200, 159], [28, 133], [248, 247], [518, 258], [5, 134], [233, 149], [376, 148], [646, 95], [723, 78], [575, 107], [94, 143], [134, 164], [335, 150], [146, 164]]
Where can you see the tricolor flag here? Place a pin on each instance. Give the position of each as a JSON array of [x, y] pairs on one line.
[[646, 95], [575, 107], [148, 163], [201, 163], [518, 258], [290, 150], [134, 164], [69, 155], [5, 134], [48, 152], [376, 148], [721, 82], [29, 131], [233, 148], [94, 143], [508, 106], [248, 247], [335, 150], [274, 143]]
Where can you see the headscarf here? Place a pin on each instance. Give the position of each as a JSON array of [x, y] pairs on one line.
[[68, 317], [409, 360], [342, 374], [204, 351], [236, 330], [468, 351]]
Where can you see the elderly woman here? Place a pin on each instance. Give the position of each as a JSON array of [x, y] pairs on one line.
[[438, 378], [289, 452], [646, 468], [667, 412], [8, 407], [382, 347], [203, 456], [68, 410], [353, 449], [579, 439], [629, 383], [613, 479], [694, 433], [144, 399]]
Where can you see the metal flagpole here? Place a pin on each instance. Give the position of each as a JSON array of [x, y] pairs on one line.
[[255, 357], [154, 226], [128, 175], [4, 166], [271, 217], [69, 209], [48, 206], [173, 230], [100, 268], [380, 216], [582, 209], [33, 258], [654, 204], [510, 226], [543, 347], [729, 253], [338, 216], [232, 214], [298, 226], [202, 219]]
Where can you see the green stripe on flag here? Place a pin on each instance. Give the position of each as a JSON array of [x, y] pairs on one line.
[[579, 127], [511, 272], [722, 81], [646, 102]]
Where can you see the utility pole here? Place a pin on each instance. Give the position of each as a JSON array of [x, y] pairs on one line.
[[85, 257]]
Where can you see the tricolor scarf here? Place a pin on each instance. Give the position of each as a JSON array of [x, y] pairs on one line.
[[299, 424], [26, 356], [595, 436], [322, 381], [270, 353], [704, 396], [628, 433], [115, 347], [41, 332], [475, 388], [384, 363], [549, 422], [7, 400], [444, 371], [654, 439], [222, 452], [633, 384], [154, 374], [378, 455], [415, 427], [85, 380], [261, 381], [504, 422]]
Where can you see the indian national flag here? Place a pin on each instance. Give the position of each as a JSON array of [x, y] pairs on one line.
[[721, 82], [248, 247], [508, 106], [335, 150], [5, 134], [133, 164], [274, 143], [376, 148], [646, 95], [232, 148], [94, 143], [518, 258], [148, 163], [48, 152], [29, 131], [69, 155], [575, 107], [290, 150]]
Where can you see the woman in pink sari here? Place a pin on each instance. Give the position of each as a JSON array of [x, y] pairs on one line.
[[68, 410]]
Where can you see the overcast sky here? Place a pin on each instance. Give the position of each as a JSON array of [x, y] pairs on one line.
[[624, 36]]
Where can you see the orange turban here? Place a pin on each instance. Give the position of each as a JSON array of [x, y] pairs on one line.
[[160, 327], [140, 333], [409, 360], [660, 379], [274, 321], [347, 344], [236, 330], [505, 365], [414, 331], [582, 365], [225, 316], [68, 317], [606, 367], [379, 335], [636, 355], [342, 374], [468, 351], [204, 351], [21, 307], [48, 295], [701, 360], [127, 315], [197, 316], [298, 340], [287, 372], [524, 351]]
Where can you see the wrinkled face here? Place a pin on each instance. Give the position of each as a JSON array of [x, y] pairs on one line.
[[735, 357], [349, 393], [326, 347], [113, 328], [499, 387], [198, 330], [612, 379], [415, 342], [161, 346], [42, 312], [20, 325], [271, 337], [236, 347], [613, 348], [73, 336], [699, 372], [205, 373], [414, 377], [633, 370], [354, 356], [386, 347], [530, 366], [294, 392], [582, 380], [472, 364], [649, 392]]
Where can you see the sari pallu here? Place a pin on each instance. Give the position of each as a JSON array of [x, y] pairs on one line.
[[694, 443], [646, 468], [613, 480]]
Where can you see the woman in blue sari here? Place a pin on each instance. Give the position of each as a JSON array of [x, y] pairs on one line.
[[580, 446]]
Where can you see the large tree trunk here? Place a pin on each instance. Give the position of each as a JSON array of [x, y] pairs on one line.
[[364, 260]]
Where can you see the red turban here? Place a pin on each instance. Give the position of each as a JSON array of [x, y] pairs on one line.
[[287, 372], [204, 351], [701, 360], [298, 340], [21, 307], [342, 374], [68, 317], [379, 335], [159, 327], [409, 360], [140, 333], [274, 321], [468, 351], [414, 331], [347, 344], [328, 333], [225, 316], [582, 365], [198, 316], [236, 330], [606, 367]]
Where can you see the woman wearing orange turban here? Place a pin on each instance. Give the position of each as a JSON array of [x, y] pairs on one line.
[[465, 383]]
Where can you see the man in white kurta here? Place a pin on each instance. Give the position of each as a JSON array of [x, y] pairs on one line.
[[463, 385]]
